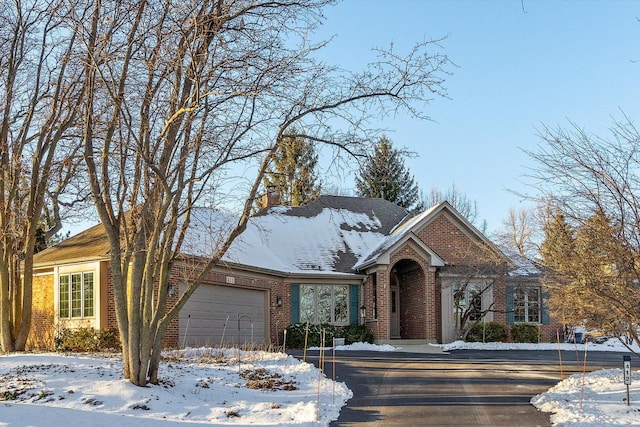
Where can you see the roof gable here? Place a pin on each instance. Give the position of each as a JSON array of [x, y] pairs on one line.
[[91, 244], [411, 228]]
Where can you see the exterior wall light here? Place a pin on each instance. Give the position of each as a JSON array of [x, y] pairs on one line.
[[279, 301]]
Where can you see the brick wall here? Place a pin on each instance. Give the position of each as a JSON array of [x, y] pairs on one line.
[[451, 241], [369, 302], [413, 305], [42, 331], [382, 326], [280, 317]]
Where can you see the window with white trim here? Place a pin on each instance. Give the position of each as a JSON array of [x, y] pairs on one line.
[[76, 295], [324, 304], [469, 298], [527, 305]]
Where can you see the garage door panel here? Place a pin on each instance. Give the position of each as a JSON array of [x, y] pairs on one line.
[[223, 315]]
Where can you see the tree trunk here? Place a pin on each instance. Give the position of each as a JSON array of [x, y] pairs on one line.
[[5, 309]]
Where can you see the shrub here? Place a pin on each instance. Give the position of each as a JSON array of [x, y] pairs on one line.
[[525, 332], [87, 340], [351, 333], [487, 332], [356, 333], [296, 335]]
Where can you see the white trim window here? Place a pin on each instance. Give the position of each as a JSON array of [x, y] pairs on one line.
[[324, 304], [470, 298], [76, 295], [527, 305]]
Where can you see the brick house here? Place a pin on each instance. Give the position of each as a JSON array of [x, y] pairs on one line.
[[339, 260]]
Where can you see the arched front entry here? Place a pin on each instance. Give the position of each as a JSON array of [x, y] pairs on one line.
[[408, 301]]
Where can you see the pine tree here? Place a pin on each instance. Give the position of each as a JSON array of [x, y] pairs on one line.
[[292, 172], [383, 175], [558, 253], [558, 248], [598, 284]]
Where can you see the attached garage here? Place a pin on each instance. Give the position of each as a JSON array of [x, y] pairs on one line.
[[222, 315]]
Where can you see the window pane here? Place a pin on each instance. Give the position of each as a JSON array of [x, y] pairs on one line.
[[341, 304], [534, 305], [88, 294], [475, 298], [63, 306], [469, 300], [324, 304], [459, 303], [519, 306], [307, 304], [76, 295]]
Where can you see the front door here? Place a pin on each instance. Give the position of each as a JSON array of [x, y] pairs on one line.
[[395, 312]]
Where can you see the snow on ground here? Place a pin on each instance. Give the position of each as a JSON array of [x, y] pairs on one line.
[[197, 386], [359, 346], [612, 344], [231, 387], [595, 399], [591, 400]]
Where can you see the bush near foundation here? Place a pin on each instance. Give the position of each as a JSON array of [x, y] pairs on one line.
[[487, 332], [525, 332], [87, 340], [350, 333]]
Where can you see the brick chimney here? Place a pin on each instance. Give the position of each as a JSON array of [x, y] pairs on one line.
[[271, 197]]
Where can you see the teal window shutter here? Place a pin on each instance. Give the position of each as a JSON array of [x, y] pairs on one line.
[[545, 309], [510, 306], [353, 304], [295, 303]]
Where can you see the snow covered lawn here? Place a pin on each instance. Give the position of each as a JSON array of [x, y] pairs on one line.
[[203, 386], [215, 387], [597, 399]]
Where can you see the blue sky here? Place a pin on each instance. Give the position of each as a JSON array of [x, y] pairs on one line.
[[516, 70]]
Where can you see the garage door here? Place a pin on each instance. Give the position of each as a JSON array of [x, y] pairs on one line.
[[221, 315]]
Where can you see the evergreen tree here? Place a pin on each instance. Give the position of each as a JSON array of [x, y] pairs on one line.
[[598, 282], [292, 172], [557, 250], [383, 175]]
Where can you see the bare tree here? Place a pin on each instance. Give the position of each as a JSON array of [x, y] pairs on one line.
[[594, 183], [178, 93], [463, 204], [478, 268], [520, 232], [39, 91], [468, 296]]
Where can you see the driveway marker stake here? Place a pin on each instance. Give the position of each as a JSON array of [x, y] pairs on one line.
[[559, 354]]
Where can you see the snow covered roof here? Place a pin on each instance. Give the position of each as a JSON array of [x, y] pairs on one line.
[[333, 235], [524, 267], [328, 235]]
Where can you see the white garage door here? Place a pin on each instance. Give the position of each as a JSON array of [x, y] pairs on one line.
[[217, 315]]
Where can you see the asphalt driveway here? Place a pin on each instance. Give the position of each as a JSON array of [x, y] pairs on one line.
[[462, 388]]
